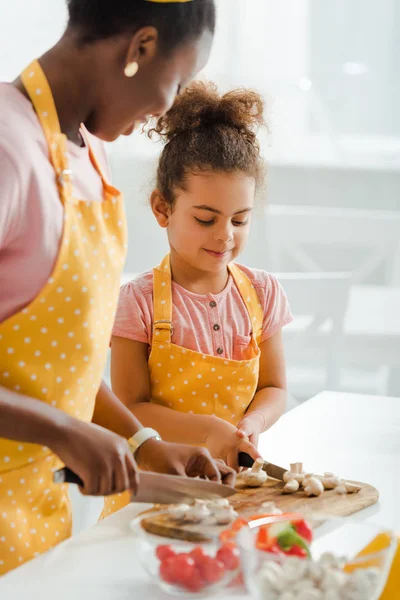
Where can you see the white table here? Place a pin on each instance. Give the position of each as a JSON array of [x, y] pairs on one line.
[[355, 436]]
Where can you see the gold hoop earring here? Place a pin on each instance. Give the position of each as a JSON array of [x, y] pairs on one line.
[[131, 69]]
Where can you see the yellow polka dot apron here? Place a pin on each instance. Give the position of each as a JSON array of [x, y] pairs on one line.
[[197, 383], [55, 349]]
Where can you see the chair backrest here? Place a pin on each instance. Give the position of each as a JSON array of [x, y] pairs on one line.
[[302, 235], [318, 302]]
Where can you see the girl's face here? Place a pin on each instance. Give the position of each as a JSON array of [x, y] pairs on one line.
[[125, 102], [209, 223]]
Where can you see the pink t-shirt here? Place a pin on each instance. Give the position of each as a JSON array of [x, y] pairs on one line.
[[195, 316], [31, 214]]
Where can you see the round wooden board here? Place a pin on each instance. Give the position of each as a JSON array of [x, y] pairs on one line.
[[250, 500]]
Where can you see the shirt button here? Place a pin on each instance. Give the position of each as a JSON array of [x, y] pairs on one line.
[[213, 304], [220, 350], [216, 327]]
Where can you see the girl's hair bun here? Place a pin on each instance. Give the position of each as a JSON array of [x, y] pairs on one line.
[[201, 106]]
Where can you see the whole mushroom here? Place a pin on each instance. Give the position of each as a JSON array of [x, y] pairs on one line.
[[313, 487], [255, 477]]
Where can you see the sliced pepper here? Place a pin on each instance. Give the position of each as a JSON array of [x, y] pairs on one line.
[[286, 536]]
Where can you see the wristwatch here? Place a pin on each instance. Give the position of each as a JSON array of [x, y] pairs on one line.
[[141, 436]]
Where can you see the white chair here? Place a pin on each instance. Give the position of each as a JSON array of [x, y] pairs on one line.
[[315, 239], [318, 302]]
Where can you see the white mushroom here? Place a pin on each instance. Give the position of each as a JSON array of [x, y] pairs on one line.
[[224, 515], [330, 481], [313, 487], [271, 508], [291, 486], [310, 594], [197, 513], [347, 488], [287, 595], [217, 504], [333, 579], [255, 477], [177, 511], [296, 472]]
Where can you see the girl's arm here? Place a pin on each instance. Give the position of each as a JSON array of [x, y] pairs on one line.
[[131, 383], [270, 399]]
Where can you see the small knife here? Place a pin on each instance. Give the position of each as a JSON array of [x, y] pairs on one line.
[[245, 460], [156, 488]]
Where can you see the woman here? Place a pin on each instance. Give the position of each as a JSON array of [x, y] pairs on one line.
[[62, 247]]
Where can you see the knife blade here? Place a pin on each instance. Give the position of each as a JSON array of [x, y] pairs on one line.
[[156, 488], [245, 460]]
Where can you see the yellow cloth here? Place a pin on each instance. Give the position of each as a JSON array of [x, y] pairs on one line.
[[192, 382], [55, 349], [392, 588]]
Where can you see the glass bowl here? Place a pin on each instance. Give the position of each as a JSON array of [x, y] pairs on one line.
[[184, 568], [350, 560]]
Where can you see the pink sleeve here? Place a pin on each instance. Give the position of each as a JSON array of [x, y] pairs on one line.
[[275, 304], [11, 202], [134, 314]]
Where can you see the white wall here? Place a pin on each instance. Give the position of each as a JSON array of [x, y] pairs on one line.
[[27, 29]]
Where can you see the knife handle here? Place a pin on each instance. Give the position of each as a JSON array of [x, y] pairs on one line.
[[67, 476], [245, 460]]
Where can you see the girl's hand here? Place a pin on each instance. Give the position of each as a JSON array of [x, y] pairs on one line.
[[224, 442], [181, 459], [251, 426]]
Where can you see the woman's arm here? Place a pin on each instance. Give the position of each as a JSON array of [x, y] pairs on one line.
[[270, 399]]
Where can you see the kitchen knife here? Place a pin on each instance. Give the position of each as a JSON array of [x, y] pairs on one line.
[[245, 460], [157, 488]]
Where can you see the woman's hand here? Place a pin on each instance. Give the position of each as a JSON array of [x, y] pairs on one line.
[[224, 442], [181, 459], [250, 427], [101, 458]]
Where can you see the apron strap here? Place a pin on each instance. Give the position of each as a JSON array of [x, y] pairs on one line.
[[251, 300], [109, 189], [162, 302], [39, 92]]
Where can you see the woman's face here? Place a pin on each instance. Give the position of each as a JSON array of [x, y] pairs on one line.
[[124, 102]]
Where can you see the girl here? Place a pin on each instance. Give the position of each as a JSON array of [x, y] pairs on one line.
[[62, 247], [197, 345]]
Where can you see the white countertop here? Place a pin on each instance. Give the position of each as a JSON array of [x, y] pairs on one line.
[[356, 436]]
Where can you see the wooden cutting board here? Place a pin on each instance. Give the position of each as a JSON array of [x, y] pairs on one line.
[[249, 501]]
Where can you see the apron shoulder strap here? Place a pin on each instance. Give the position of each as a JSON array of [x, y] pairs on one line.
[[251, 300], [162, 302], [40, 94]]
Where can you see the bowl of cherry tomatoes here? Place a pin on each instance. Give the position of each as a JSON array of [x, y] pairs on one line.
[[183, 568]]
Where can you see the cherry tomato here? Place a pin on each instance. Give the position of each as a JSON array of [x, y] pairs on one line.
[[166, 572], [182, 567], [229, 555], [196, 582], [163, 552], [212, 570], [198, 555]]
